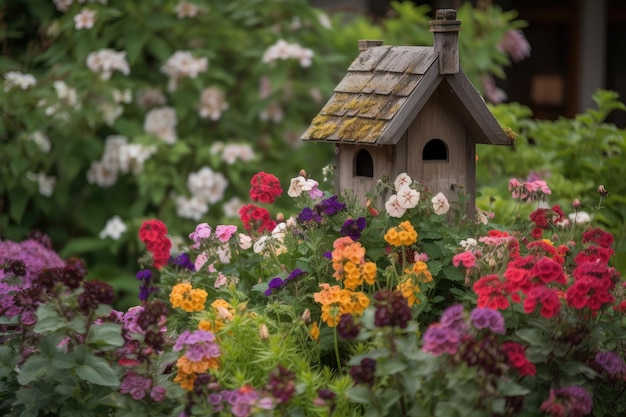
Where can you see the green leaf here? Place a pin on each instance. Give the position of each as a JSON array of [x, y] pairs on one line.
[[48, 319], [33, 369], [390, 367], [97, 371], [18, 199], [106, 334], [359, 394], [508, 388]]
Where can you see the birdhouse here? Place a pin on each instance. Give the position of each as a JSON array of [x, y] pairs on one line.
[[408, 109]]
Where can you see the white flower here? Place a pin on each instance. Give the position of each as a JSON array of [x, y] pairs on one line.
[[182, 64], [133, 156], [407, 197], [234, 151], [481, 217], [186, 9], [110, 112], [245, 241], [162, 122], [150, 97], [18, 79], [393, 207], [101, 174], [114, 228], [402, 179], [581, 217], [207, 184], [122, 96], [223, 253], [232, 206], [66, 93], [273, 112], [212, 104], [440, 204], [259, 245], [295, 186], [105, 61], [282, 50], [45, 183], [63, 5], [469, 243], [41, 140], [85, 19], [191, 208]]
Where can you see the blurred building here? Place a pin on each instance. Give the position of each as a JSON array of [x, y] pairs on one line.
[[577, 47]]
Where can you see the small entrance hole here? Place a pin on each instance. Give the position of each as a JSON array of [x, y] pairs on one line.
[[363, 164], [435, 150]]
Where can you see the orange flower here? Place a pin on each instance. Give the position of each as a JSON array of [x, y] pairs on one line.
[[315, 331]]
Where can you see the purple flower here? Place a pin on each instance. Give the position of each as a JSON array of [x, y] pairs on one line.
[[203, 231], [135, 385], [487, 318], [453, 317], [144, 275], [294, 274], [611, 362], [353, 228], [572, 401], [199, 344], [308, 215], [158, 393], [438, 340], [274, 284], [330, 206], [183, 261]]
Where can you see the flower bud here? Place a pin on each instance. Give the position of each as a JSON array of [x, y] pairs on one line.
[[264, 333], [306, 316], [302, 173], [280, 217], [224, 313], [602, 191], [576, 204]]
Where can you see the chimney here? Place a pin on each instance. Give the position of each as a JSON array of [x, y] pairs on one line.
[[365, 44], [445, 30]]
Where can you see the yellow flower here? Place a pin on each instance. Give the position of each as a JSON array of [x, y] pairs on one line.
[[315, 331], [403, 234], [408, 290], [187, 298]]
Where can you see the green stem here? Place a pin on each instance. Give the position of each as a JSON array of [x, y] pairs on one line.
[[336, 342]]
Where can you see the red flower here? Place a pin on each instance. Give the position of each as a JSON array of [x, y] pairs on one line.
[[516, 357], [256, 218], [594, 253], [152, 230], [548, 270], [153, 234], [265, 187], [547, 297], [467, 259], [599, 237], [492, 292], [518, 273]]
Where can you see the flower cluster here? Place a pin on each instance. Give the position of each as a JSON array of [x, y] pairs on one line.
[[265, 188], [349, 264], [336, 301], [105, 61], [201, 353], [153, 234], [283, 50], [186, 297], [403, 234]]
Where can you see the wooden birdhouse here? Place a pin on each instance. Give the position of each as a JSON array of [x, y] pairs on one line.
[[408, 109]]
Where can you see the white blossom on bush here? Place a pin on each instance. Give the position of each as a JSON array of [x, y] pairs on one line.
[[191, 208], [212, 104], [114, 228], [18, 79], [282, 50], [122, 96], [162, 122], [101, 174], [186, 9], [41, 140], [150, 97], [183, 64], [105, 61], [237, 151], [273, 112], [85, 19], [440, 204], [132, 157], [45, 183], [207, 184], [393, 207], [580, 217], [232, 206]]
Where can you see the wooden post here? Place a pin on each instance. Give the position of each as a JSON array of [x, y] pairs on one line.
[[446, 40]]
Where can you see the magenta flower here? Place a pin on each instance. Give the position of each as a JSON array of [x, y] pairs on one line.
[[438, 340], [467, 259], [487, 318], [135, 385], [203, 231]]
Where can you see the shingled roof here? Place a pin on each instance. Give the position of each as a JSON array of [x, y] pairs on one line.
[[384, 90]]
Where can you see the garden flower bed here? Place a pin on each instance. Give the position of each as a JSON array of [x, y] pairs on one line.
[[342, 309]]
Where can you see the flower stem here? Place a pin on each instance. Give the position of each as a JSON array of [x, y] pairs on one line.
[[336, 342]]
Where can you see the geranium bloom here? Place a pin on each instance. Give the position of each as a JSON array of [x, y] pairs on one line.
[[440, 204], [203, 231], [487, 318], [394, 207], [516, 356], [114, 228], [467, 259], [611, 362], [438, 340], [407, 197], [402, 180], [225, 232], [265, 187]]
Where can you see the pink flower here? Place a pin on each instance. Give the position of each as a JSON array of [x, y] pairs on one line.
[[225, 232], [203, 231], [515, 45], [201, 259], [466, 258]]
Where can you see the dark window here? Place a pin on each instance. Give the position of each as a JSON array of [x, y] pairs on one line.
[[435, 150], [363, 164]]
